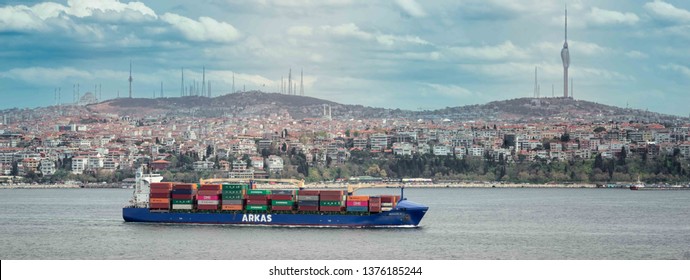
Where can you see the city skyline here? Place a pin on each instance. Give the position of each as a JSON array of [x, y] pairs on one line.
[[413, 56]]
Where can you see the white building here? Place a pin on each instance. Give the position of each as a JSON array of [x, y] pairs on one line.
[[79, 165], [274, 163], [47, 167]]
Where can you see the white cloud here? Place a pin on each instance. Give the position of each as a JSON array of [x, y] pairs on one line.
[[450, 90], [20, 18], [347, 30], [301, 30], [411, 7], [506, 50], [636, 54], [111, 10], [667, 12], [205, 29], [677, 68], [599, 16], [304, 3], [351, 30]]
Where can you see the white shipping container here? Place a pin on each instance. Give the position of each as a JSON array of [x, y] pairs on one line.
[[182, 207], [207, 202]]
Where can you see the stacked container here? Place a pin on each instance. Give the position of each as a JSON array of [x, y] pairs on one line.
[[375, 204], [282, 200], [183, 196], [257, 200], [232, 196], [388, 202], [332, 201], [358, 203], [159, 196], [308, 200], [208, 197]]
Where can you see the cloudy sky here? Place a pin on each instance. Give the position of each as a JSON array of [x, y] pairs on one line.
[[408, 54]]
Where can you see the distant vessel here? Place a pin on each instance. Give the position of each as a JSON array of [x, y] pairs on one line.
[[638, 185], [216, 202]]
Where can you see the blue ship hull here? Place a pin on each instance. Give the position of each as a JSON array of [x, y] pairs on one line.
[[405, 214]]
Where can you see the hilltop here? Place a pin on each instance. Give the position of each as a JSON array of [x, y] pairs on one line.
[[255, 103]]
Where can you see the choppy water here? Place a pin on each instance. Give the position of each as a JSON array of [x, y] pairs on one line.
[[461, 224]]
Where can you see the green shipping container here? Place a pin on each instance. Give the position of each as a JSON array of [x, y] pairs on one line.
[[235, 186], [331, 203], [232, 191], [182, 201], [257, 207], [282, 202], [232, 196], [258, 192]]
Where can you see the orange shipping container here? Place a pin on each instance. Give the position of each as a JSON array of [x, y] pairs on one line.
[[211, 187], [231, 207], [159, 200], [162, 185], [358, 198]]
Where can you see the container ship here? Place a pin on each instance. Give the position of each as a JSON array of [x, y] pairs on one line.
[[241, 204]]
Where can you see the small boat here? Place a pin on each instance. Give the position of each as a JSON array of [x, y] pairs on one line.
[[638, 185]]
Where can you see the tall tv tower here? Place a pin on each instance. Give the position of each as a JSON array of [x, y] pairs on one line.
[[130, 79], [290, 82], [565, 56], [301, 82]]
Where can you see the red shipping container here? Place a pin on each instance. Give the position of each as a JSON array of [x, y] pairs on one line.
[[183, 196], [332, 208], [282, 197], [374, 199], [207, 192], [207, 207], [309, 192], [257, 197], [207, 197], [374, 209], [161, 185], [281, 208], [231, 207], [211, 187], [160, 191], [159, 205], [257, 202], [181, 186], [357, 203], [339, 193], [159, 195], [331, 197], [308, 208]]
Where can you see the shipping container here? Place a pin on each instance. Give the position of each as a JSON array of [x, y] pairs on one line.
[[357, 203], [282, 192], [257, 201], [358, 198], [331, 208], [182, 191], [233, 202], [258, 192], [206, 197], [206, 193], [232, 197], [182, 196], [330, 203], [231, 207], [256, 207], [387, 204], [282, 202], [181, 186], [235, 186], [357, 208], [161, 185], [282, 208], [239, 192], [332, 197], [159, 200], [308, 192], [308, 208], [182, 201], [207, 202], [308, 198], [257, 196], [386, 208], [282, 197], [207, 207], [210, 187], [159, 195], [159, 191], [182, 207], [308, 203], [159, 205]]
